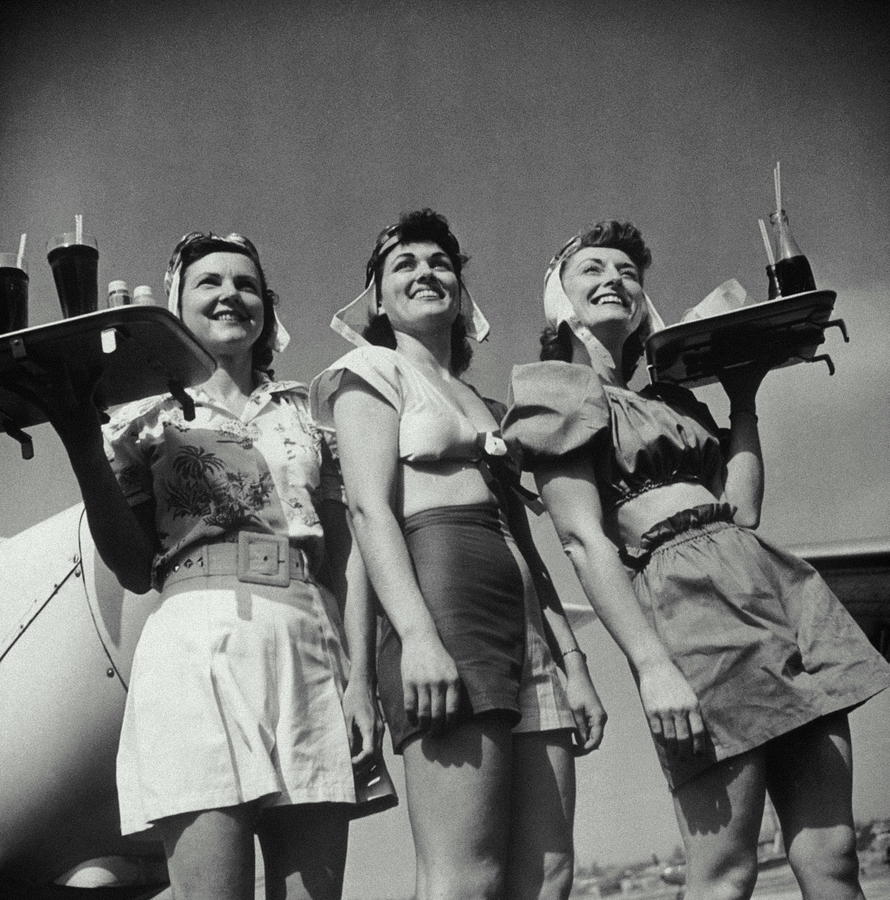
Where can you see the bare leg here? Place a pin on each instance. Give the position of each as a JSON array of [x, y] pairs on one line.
[[541, 858], [210, 853], [304, 850], [810, 781], [719, 814], [458, 788]]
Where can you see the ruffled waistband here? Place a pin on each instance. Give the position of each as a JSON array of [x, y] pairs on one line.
[[674, 526]]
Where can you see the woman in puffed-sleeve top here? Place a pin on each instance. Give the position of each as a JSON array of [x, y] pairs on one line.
[[745, 661]]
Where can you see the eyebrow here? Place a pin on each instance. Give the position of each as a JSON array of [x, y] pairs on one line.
[[409, 254], [630, 264]]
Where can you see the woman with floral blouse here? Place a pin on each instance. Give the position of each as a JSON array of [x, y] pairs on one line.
[[234, 723]]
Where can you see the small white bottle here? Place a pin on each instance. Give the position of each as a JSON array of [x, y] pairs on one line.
[[142, 294], [118, 294]]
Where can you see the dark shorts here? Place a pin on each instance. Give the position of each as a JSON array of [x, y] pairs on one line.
[[760, 637], [474, 591]]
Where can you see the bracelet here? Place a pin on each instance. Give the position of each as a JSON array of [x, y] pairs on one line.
[[564, 653], [738, 412]]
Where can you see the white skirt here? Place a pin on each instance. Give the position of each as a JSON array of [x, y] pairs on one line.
[[235, 695]]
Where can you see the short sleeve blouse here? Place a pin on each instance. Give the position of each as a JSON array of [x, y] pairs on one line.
[[636, 440], [265, 470], [430, 427]]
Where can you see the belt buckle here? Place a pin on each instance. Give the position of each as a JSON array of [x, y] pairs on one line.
[[263, 558]]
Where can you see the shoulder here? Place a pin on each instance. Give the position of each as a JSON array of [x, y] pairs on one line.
[[554, 408], [133, 417], [294, 393], [379, 368]]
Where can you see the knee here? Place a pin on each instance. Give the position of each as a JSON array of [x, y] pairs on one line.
[[733, 880], [478, 878], [826, 855]]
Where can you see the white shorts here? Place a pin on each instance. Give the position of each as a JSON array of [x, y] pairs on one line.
[[235, 695]]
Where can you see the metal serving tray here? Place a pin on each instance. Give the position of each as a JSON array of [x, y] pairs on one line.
[[788, 329], [142, 350]]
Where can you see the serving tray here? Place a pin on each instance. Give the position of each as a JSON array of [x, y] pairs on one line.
[[141, 350], [787, 329]]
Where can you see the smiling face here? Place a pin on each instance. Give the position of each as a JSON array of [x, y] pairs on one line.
[[221, 302], [419, 289], [603, 286]]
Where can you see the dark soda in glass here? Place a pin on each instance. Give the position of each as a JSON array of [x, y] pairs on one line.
[[75, 271], [794, 275], [13, 299]]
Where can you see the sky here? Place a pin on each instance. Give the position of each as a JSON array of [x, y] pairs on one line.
[[308, 126]]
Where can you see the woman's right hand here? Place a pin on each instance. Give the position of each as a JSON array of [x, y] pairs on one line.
[[430, 682], [363, 721], [672, 709]]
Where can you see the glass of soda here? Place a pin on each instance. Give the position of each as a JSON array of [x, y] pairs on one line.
[[74, 259], [13, 293]]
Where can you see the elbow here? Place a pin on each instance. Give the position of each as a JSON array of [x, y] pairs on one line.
[[132, 578], [364, 516], [576, 548], [135, 584], [747, 518]]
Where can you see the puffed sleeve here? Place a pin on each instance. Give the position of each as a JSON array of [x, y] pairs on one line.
[[377, 366], [554, 408]]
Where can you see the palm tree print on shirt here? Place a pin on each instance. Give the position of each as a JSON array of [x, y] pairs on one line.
[[205, 490]]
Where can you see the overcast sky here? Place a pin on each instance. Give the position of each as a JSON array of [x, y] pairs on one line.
[[309, 126]]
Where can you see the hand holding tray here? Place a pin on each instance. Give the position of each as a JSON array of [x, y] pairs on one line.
[[788, 329], [141, 350]]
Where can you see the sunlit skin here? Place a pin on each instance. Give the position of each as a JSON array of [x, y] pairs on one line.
[[419, 290], [604, 287], [221, 303]]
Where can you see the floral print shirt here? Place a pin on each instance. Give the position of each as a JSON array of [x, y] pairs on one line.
[[265, 470]]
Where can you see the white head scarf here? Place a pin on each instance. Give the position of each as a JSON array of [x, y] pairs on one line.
[[350, 321], [558, 309], [279, 337]]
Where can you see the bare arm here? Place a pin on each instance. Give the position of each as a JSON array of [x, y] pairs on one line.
[[350, 584], [587, 709], [367, 438], [124, 536], [743, 477], [570, 494]]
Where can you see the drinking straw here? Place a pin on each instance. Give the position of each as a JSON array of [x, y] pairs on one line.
[[766, 243], [78, 228], [21, 254], [777, 181]]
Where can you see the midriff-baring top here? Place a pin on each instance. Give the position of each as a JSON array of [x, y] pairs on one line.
[[636, 441], [431, 427]]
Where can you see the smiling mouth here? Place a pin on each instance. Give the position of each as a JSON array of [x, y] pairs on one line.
[[427, 294], [229, 316], [606, 299]]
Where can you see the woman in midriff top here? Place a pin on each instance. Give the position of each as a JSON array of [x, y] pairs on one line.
[[468, 683], [745, 661]]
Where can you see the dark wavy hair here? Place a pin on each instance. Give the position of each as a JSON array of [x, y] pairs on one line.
[[556, 343], [199, 247], [413, 227]]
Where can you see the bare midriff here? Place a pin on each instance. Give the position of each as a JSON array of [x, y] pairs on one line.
[[442, 483], [638, 515]]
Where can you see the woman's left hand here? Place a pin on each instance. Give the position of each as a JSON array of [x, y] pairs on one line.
[[364, 723], [588, 711], [741, 383]]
